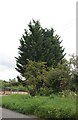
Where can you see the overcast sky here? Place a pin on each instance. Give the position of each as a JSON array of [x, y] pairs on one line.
[[14, 18]]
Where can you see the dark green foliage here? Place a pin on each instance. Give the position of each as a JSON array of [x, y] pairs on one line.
[[39, 45]]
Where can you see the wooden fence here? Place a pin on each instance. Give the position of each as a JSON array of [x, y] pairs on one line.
[[9, 92]]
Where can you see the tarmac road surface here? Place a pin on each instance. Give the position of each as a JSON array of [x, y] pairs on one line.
[[6, 113]]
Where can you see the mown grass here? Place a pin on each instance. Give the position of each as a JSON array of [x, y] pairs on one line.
[[42, 106]]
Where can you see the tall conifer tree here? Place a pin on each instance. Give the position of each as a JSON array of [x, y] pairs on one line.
[[39, 44]]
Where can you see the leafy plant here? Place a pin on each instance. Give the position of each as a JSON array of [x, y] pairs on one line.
[[35, 74], [42, 106]]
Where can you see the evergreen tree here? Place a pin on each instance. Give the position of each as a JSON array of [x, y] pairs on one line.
[[39, 44]]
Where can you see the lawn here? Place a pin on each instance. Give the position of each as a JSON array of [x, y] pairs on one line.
[[53, 106]]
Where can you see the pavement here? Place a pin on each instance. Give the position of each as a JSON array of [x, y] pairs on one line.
[[6, 114], [9, 114]]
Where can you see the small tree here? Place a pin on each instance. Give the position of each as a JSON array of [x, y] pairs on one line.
[[35, 74]]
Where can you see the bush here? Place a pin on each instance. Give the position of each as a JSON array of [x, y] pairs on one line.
[[35, 74], [58, 78], [44, 91]]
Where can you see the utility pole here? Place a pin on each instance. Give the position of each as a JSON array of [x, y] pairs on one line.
[[77, 59]]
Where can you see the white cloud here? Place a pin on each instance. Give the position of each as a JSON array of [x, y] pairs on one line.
[[16, 14], [6, 74]]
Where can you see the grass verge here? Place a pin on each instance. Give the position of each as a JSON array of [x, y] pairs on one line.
[[44, 107]]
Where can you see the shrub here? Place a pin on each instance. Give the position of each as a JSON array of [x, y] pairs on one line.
[[35, 74], [58, 78]]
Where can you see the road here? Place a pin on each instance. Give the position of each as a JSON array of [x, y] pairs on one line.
[[5, 113]]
